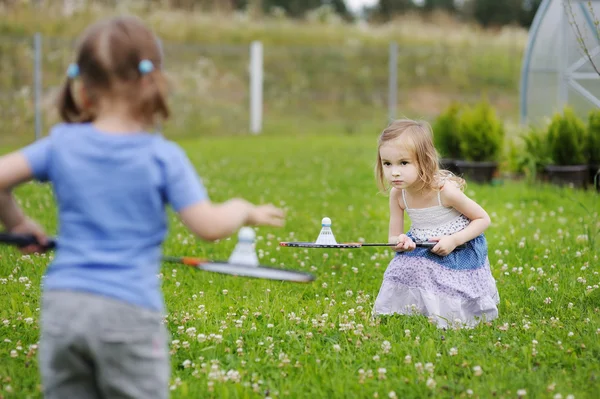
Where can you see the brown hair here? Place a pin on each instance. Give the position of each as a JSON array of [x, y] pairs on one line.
[[420, 142], [108, 59]]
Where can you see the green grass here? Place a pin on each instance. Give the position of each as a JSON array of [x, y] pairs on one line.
[[288, 332]]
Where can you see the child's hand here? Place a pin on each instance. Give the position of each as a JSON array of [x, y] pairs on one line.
[[445, 245], [404, 243], [266, 215], [28, 226]]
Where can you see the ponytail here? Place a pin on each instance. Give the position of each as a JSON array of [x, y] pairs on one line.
[[68, 109], [151, 99]]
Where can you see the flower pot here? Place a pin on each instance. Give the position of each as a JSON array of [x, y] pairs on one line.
[[450, 165], [573, 175], [543, 176], [478, 172], [595, 174]]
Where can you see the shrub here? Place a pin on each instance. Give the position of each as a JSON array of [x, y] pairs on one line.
[[594, 138], [481, 133], [534, 154], [446, 130], [567, 139]]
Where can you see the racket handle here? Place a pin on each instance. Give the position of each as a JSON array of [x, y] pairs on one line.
[[431, 244], [184, 260], [423, 244], [23, 240]]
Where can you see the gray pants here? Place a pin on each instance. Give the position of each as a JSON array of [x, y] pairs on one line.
[[95, 347]]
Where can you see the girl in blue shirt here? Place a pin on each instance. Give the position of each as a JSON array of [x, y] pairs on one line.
[[102, 330]]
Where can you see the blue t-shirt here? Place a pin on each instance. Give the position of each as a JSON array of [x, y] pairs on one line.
[[112, 192]]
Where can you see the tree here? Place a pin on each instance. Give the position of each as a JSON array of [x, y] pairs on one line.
[[445, 5], [496, 12], [527, 12], [297, 8], [387, 9]]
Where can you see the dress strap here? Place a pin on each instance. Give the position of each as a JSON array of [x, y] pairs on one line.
[[439, 197], [404, 198]]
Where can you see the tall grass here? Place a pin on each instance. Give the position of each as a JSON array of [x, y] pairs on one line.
[[333, 75]]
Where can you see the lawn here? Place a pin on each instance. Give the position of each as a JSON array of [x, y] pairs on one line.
[[235, 338]]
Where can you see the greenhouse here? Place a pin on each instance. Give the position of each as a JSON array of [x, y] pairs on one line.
[[556, 70]]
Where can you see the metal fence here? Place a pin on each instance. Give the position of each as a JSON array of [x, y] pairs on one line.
[[219, 90]]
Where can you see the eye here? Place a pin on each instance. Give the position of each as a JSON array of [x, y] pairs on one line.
[[386, 163], [404, 163]]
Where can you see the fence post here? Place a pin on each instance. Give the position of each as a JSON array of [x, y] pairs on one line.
[[393, 81], [256, 87], [37, 82]]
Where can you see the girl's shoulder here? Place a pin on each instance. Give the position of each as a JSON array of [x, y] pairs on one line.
[[396, 197], [450, 191], [445, 178]]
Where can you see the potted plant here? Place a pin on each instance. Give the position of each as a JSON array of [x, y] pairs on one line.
[[446, 137], [482, 138], [594, 148], [532, 156], [567, 140]]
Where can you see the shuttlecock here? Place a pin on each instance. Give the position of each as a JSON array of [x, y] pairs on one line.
[[326, 235], [244, 252]]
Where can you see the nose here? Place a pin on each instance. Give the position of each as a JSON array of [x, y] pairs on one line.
[[396, 172]]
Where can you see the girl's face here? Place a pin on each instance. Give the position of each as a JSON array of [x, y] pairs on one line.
[[399, 166]]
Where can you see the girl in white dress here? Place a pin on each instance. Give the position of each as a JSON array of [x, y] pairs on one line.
[[451, 285]]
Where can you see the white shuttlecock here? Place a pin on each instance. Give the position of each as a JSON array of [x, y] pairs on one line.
[[326, 235], [244, 252]]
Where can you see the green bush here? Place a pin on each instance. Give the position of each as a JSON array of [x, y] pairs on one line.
[[533, 153], [567, 139], [594, 138], [446, 130], [481, 133]]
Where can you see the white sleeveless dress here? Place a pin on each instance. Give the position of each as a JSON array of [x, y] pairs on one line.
[[455, 289]]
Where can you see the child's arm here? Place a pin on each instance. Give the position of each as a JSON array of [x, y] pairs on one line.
[[187, 195], [396, 229], [216, 221], [14, 170], [480, 220], [10, 213]]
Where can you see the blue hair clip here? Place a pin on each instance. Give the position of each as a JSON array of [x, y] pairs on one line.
[[73, 71], [145, 66]]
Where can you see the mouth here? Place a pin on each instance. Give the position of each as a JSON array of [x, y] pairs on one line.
[[397, 181]]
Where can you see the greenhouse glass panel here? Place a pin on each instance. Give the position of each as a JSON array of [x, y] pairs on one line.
[[556, 71]]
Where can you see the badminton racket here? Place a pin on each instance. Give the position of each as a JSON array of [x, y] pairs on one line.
[[261, 271], [303, 244]]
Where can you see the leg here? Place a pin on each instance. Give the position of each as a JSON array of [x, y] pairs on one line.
[[66, 372], [133, 355], [66, 366]]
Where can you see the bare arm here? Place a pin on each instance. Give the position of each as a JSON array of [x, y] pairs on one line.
[[396, 230], [216, 221], [15, 170], [10, 213], [396, 216], [480, 220]]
